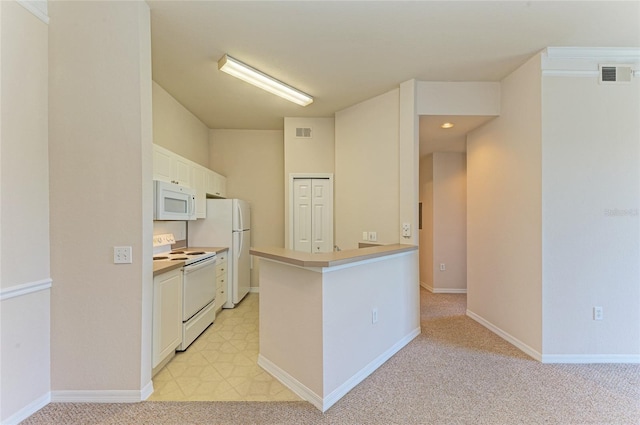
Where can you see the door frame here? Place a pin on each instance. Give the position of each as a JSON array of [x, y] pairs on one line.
[[291, 178]]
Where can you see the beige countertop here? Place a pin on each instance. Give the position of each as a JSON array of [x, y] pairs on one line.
[[329, 259], [160, 267]]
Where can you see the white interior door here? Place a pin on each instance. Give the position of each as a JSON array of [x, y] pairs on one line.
[[313, 215]]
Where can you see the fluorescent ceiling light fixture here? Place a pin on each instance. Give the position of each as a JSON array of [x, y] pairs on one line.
[[259, 79], [447, 125]]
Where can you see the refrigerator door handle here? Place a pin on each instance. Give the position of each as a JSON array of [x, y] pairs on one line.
[[240, 218], [241, 239]]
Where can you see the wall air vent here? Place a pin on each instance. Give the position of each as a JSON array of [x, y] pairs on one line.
[[615, 74], [303, 132]]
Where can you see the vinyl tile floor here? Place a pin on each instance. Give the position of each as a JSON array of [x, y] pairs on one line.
[[222, 364]]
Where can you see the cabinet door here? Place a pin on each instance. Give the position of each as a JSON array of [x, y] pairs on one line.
[[167, 314], [198, 178], [183, 171], [222, 186], [162, 164], [216, 184]]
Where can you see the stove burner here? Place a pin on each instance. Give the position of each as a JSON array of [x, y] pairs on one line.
[[196, 253], [160, 258], [179, 259], [177, 252]]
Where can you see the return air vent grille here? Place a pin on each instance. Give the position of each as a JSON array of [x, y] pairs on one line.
[[303, 132], [614, 74]]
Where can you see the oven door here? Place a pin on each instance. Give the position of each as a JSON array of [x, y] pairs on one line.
[[198, 287]]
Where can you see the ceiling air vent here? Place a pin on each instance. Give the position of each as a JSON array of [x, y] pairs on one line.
[[614, 74], [303, 132]]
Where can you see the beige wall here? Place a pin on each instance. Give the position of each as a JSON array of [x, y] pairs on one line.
[[426, 233], [312, 156], [252, 161], [450, 221], [591, 168], [504, 215], [367, 171], [444, 230], [24, 212], [100, 169], [177, 129]]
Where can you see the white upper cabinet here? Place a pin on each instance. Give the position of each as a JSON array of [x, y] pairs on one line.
[[199, 180], [173, 168], [216, 184], [170, 167]]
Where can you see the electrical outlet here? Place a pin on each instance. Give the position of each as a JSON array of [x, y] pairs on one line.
[[598, 314], [365, 236], [122, 255], [442, 267], [406, 230], [374, 315], [373, 236]]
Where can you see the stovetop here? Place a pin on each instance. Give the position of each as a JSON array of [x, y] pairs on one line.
[[187, 256], [162, 251]]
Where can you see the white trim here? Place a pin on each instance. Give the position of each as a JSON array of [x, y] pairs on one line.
[[569, 73], [24, 289], [324, 403], [290, 382], [146, 391], [425, 286], [506, 336], [28, 410], [591, 358], [593, 53], [102, 396], [350, 383], [449, 291], [443, 290], [255, 289], [37, 7]]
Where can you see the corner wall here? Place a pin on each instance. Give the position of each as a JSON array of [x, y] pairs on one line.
[[367, 187], [591, 188], [177, 129], [504, 214], [24, 214], [253, 162], [100, 143]]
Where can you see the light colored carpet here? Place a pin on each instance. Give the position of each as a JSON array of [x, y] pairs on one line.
[[455, 372]]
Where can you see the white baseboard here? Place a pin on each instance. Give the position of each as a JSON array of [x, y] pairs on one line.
[[506, 336], [349, 384], [324, 403], [28, 410], [443, 290], [102, 396], [290, 382], [591, 358]]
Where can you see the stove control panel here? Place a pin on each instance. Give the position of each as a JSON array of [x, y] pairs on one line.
[[166, 239]]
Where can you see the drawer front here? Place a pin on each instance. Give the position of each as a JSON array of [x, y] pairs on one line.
[[222, 256], [221, 268]]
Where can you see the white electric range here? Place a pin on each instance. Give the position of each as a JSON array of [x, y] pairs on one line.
[[198, 285]]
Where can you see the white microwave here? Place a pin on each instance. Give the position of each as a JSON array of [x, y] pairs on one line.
[[173, 202]]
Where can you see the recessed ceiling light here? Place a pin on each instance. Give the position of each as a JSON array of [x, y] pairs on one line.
[[447, 125]]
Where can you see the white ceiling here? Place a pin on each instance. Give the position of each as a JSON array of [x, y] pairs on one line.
[[345, 52]]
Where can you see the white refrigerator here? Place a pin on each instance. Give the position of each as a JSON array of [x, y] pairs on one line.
[[228, 224]]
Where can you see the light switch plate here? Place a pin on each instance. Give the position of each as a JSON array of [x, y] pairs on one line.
[[373, 236], [122, 255]]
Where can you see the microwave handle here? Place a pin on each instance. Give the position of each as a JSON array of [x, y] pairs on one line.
[[192, 210]]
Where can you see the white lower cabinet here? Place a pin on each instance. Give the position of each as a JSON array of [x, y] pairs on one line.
[[167, 315], [221, 279]]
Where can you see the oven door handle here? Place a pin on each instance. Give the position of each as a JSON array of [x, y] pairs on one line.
[[197, 266]]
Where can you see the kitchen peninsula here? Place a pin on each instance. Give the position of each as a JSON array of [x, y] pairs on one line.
[[328, 320]]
